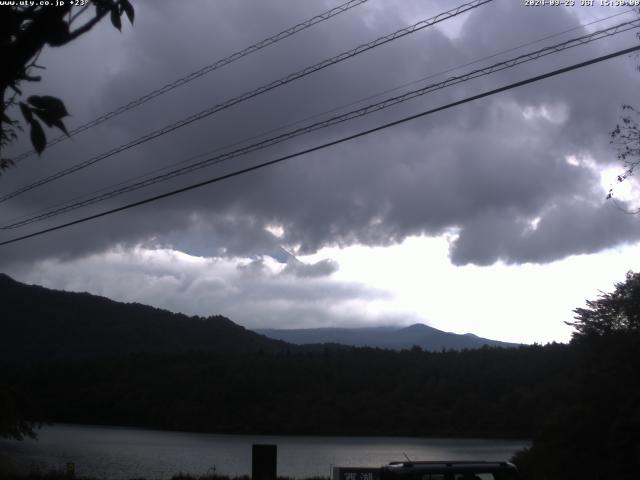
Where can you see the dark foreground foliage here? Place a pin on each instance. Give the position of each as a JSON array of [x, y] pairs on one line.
[[595, 434]]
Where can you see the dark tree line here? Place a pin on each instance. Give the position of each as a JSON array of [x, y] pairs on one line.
[[487, 392]]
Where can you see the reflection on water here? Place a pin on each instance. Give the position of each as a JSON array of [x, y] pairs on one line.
[[117, 453]]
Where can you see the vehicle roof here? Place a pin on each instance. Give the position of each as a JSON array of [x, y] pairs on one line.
[[431, 465]]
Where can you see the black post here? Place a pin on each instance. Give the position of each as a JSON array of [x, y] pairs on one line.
[[264, 462]]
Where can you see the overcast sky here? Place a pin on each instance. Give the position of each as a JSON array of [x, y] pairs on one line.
[[487, 218]]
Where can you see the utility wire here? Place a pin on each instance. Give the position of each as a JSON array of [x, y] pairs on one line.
[[598, 35], [317, 115], [328, 144], [458, 67], [202, 71], [253, 93]]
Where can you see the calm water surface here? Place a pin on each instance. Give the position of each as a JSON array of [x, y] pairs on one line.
[[118, 453]]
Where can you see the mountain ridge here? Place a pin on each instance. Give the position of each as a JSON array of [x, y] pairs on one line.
[[387, 336], [38, 323]]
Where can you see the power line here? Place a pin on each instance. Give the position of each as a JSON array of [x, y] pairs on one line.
[[468, 64], [253, 93], [326, 112], [318, 115], [328, 144], [527, 57], [203, 71]]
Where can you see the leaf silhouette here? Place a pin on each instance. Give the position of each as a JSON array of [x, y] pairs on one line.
[[115, 18], [128, 9], [54, 106], [26, 112], [38, 139]]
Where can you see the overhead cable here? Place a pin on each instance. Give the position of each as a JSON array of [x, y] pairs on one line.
[[527, 57], [326, 145], [253, 93], [316, 115], [202, 71]]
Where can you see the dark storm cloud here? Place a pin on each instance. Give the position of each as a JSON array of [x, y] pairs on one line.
[[300, 269], [484, 169], [575, 227], [216, 235]]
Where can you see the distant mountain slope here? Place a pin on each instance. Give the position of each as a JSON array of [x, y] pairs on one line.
[[396, 338], [38, 323]]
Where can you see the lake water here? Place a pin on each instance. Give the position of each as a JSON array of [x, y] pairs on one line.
[[119, 453]]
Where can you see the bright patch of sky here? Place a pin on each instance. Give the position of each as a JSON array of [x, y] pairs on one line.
[[521, 303]]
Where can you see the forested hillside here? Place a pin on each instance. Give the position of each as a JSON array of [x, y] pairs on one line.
[[39, 324], [486, 392], [396, 338]]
